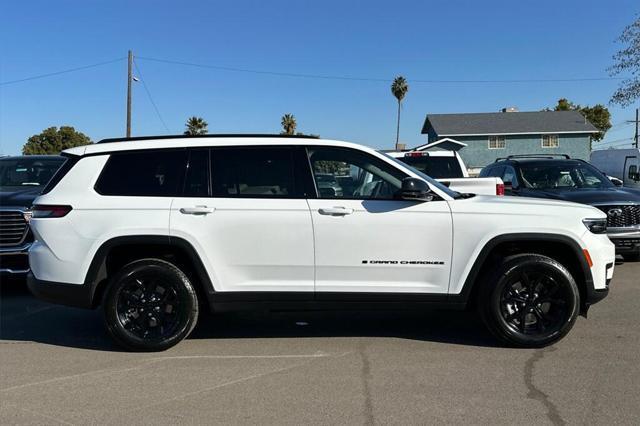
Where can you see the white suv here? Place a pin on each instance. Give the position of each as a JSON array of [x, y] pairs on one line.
[[155, 229]]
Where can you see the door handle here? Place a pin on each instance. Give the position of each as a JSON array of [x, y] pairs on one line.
[[197, 210], [335, 211]]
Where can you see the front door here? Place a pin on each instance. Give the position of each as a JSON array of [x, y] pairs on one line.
[[249, 220], [367, 241]]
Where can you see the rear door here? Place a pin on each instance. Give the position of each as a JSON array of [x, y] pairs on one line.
[[244, 210]]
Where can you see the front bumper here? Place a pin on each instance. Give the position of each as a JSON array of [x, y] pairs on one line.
[[14, 261], [76, 295], [626, 240]]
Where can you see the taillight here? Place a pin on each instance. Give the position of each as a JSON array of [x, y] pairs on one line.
[[41, 211], [499, 188]]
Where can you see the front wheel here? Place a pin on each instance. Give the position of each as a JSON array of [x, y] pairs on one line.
[[529, 301], [150, 305]]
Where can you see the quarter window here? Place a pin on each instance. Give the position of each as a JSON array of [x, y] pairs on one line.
[[262, 172], [143, 173], [550, 141], [497, 142], [350, 174]]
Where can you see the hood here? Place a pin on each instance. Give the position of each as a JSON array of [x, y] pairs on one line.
[[590, 196], [18, 196]]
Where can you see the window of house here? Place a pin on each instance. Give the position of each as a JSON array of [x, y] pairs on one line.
[[550, 141], [497, 142]]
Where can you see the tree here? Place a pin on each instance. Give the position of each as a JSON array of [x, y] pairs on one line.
[[289, 124], [627, 61], [399, 88], [598, 115], [196, 126], [54, 140]]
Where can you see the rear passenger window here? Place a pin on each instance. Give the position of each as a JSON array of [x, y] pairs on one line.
[[262, 172], [143, 173], [196, 182]]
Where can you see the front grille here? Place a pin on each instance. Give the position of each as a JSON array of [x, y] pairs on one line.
[[13, 227], [622, 216]]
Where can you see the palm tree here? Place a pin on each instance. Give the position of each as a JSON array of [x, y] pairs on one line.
[[288, 124], [196, 126], [399, 88]]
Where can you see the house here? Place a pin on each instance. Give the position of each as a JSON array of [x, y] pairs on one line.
[[481, 138]]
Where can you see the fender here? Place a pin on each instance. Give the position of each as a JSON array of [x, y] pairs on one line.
[[464, 296], [97, 271]]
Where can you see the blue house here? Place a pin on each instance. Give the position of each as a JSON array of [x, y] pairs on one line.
[[480, 138]]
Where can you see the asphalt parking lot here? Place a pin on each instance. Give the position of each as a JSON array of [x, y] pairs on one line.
[[57, 365]]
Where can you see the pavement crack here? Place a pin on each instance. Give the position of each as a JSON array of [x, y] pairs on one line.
[[366, 388], [536, 394]]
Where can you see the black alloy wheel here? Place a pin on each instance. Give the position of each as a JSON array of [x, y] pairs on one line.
[[529, 300], [150, 305]]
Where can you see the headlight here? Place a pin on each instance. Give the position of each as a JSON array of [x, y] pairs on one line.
[[596, 226]]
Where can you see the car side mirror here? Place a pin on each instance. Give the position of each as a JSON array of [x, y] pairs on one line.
[[414, 189]]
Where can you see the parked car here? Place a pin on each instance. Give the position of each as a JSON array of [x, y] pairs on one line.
[[328, 184], [155, 229], [563, 178], [22, 179], [448, 168], [623, 164]]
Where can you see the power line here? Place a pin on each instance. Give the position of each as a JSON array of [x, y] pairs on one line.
[[146, 89], [351, 78], [35, 77]]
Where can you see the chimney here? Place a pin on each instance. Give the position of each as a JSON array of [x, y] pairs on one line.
[[510, 109]]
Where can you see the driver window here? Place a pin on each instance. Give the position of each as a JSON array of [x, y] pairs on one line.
[[350, 174]]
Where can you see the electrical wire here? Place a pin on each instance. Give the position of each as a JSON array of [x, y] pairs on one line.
[[155, 107], [35, 77], [350, 78]]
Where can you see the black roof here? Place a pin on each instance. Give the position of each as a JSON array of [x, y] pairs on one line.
[[220, 135], [505, 123]]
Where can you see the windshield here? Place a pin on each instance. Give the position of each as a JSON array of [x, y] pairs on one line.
[[28, 172], [429, 179], [563, 176]]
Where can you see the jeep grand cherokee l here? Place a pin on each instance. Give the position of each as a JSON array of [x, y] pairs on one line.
[[155, 229]]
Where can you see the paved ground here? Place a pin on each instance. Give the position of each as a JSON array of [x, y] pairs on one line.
[[58, 366]]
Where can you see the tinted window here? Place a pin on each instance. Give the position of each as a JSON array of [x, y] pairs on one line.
[[436, 167], [561, 175], [509, 176], [196, 182], [253, 172], [347, 173], [143, 173], [496, 171]]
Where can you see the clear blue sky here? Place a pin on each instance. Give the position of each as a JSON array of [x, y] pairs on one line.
[[435, 40]]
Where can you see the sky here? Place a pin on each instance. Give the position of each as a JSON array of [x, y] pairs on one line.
[[370, 41]]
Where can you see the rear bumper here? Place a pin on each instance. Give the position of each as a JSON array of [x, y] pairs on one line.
[[77, 295], [14, 261]]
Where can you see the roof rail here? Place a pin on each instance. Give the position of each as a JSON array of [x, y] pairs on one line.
[[544, 156], [219, 135]]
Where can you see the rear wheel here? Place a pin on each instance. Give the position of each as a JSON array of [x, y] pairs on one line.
[[529, 301], [150, 305]]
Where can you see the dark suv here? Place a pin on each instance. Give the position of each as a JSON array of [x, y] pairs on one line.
[[22, 179], [560, 177]]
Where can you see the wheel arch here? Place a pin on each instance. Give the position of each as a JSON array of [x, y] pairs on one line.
[[118, 251], [562, 248]]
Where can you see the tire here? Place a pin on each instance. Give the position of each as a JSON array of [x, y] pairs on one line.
[[529, 301], [150, 305]]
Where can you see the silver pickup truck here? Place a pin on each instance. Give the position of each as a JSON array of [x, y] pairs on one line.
[[448, 168]]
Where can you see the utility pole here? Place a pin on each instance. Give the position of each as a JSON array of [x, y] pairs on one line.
[[129, 81], [636, 138]]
